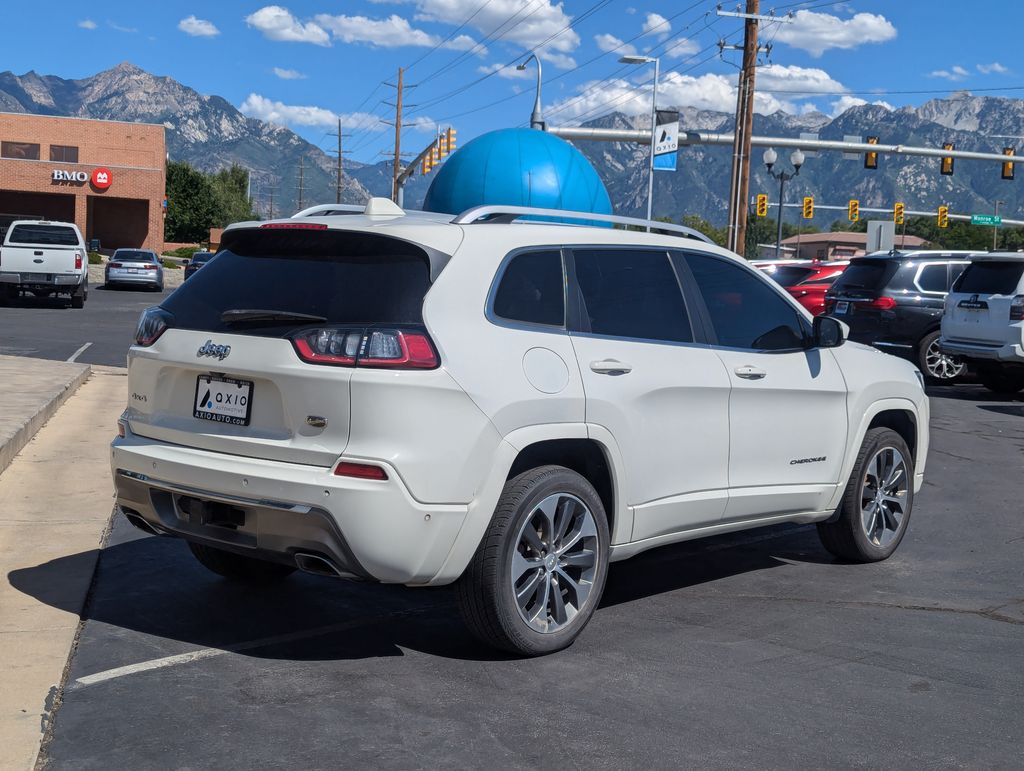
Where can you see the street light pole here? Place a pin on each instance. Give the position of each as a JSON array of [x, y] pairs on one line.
[[654, 124], [536, 118], [778, 228], [770, 157]]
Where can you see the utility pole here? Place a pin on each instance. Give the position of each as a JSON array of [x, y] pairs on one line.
[[398, 137], [995, 228], [744, 128], [270, 213], [301, 188], [338, 175]]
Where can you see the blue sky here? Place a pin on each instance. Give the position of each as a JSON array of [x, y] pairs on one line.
[[305, 63]]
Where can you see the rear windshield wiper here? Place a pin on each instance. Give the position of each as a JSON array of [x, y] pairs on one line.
[[257, 316]]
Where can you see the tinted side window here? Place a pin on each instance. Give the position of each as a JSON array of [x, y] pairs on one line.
[[932, 278], [532, 289], [632, 293], [745, 311]]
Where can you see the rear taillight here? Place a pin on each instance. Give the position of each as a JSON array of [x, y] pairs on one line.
[[152, 323], [151, 267], [78, 260], [383, 348], [1017, 308], [113, 265], [360, 471], [882, 303]]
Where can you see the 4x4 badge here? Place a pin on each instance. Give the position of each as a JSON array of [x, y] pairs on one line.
[[209, 349]]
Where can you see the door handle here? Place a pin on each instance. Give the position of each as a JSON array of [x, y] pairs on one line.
[[750, 373], [610, 367]]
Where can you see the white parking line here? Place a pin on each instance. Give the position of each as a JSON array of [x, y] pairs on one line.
[[205, 653], [79, 352]]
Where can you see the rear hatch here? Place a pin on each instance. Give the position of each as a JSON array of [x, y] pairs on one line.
[[858, 296], [37, 248], [228, 374], [978, 307]]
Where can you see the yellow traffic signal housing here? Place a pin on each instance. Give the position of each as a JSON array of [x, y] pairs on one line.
[[946, 165], [1008, 165], [762, 205], [943, 217], [808, 207], [442, 145], [871, 158], [435, 154], [853, 210], [897, 213], [450, 139]]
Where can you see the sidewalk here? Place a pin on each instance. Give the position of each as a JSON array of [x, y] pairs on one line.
[[33, 390], [55, 501]]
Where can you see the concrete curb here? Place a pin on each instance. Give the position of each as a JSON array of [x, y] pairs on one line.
[[12, 446]]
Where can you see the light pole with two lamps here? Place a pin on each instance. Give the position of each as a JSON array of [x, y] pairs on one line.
[[654, 122], [770, 157]]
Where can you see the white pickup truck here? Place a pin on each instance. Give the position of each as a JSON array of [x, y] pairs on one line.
[[44, 258]]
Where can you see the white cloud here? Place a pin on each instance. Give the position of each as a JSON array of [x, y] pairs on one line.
[[795, 79], [954, 73], [681, 47], [844, 103], [996, 67], [121, 28], [818, 32], [190, 25], [288, 74], [257, 106], [87, 24], [526, 23], [656, 24], [562, 61], [277, 23], [609, 43], [392, 32], [510, 72]]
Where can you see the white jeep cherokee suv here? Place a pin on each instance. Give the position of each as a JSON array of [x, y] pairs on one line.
[[983, 321], [424, 399]]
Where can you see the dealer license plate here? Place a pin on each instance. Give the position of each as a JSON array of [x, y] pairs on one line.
[[132, 270], [843, 307], [223, 400]]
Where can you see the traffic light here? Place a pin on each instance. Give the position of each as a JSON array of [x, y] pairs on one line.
[[853, 210], [1008, 165], [871, 158], [442, 145], [808, 207], [435, 153], [897, 213], [762, 205], [943, 216], [450, 140], [946, 164]]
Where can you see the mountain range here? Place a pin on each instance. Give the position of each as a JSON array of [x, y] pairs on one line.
[[211, 133]]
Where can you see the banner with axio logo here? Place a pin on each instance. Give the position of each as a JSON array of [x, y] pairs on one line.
[[666, 140], [101, 178]]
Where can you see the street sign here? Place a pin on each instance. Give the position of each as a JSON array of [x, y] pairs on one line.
[[666, 145], [986, 219]]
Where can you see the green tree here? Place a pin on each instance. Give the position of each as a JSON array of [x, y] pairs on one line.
[[192, 206], [231, 189]]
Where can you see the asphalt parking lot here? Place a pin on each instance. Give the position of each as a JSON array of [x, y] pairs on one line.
[[47, 329], [742, 651]]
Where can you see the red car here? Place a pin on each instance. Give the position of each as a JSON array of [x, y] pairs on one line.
[[809, 288]]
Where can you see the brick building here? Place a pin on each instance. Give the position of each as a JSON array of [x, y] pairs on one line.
[[108, 177]]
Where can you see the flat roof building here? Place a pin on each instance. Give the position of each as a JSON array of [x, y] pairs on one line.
[[841, 245], [108, 177]]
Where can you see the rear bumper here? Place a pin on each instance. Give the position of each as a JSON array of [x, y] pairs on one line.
[[365, 528], [113, 277], [1007, 352], [67, 281]]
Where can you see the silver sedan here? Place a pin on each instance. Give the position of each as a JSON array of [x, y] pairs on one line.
[[137, 267]]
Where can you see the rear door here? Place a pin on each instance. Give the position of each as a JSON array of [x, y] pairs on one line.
[[231, 333], [41, 248], [662, 396], [978, 308]]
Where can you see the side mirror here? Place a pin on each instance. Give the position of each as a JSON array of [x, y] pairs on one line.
[[184, 263], [829, 332]]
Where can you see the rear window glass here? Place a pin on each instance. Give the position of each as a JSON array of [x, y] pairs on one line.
[[201, 257], [532, 289], [821, 280], [867, 274], [134, 255], [991, 277], [54, 235], [345, 278], [788, 275]]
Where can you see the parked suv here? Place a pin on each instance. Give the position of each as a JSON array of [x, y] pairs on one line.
[[984, 320], [423, 399], [894, 300]]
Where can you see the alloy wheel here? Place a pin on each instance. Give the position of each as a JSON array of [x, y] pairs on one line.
[[884, 494], [554, 562], [942, 366]]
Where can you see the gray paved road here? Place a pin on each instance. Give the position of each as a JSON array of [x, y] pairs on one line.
[[742, 651], [46, 329]]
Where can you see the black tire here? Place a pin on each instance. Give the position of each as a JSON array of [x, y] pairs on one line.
[[1001, 381], [948, 371], [485, 592], [846, 536], [237, 567]]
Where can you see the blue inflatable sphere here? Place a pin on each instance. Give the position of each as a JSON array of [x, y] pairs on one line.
[[518, 167]]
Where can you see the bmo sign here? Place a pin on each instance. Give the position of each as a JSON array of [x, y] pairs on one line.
[[101, 178]]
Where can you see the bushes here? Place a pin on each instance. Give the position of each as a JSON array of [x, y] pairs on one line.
[[95, 258], [183, 252], [170, 264]]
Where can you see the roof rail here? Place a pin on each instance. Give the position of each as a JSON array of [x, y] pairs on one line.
[[329, 209], [507, 214]]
